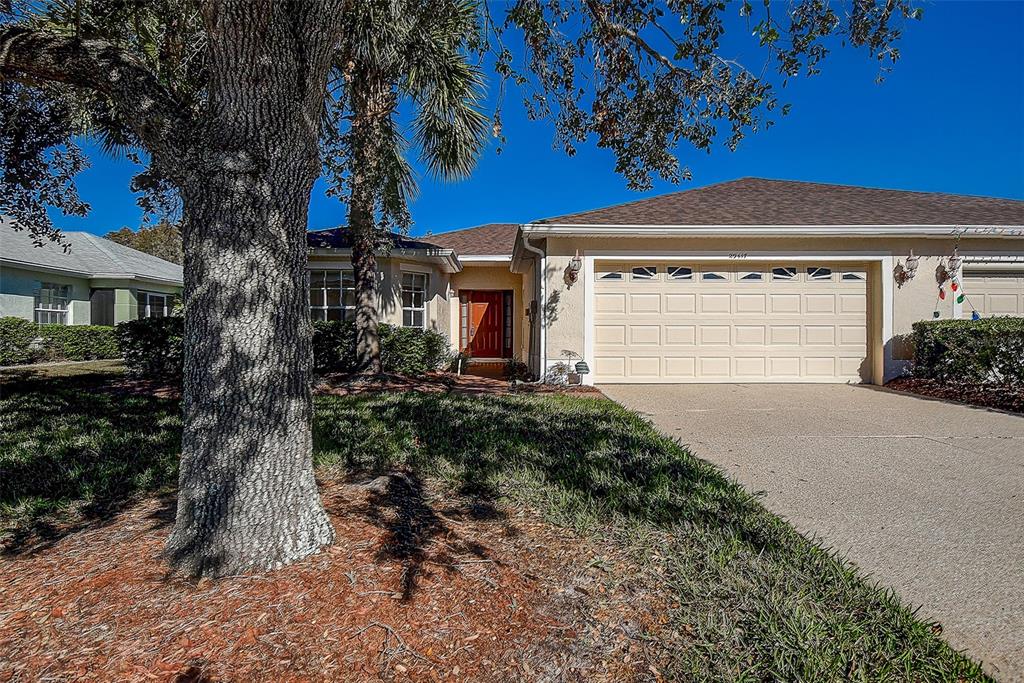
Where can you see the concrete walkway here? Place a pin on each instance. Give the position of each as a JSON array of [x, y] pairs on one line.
[[926, 496]]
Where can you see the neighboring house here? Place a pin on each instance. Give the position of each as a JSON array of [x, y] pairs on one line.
[[745, 281], [94, 282]]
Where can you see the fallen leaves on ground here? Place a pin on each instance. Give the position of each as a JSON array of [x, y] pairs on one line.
[[982, 395], [417, 587]]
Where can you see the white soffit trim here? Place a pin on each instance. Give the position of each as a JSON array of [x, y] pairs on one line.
[[486, 259], [597, 230]]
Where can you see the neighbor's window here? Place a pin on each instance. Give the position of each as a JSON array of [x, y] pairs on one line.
[[332, 294], [711, 275], [414, 297], [680, 273], [751, 277], [644, 272], [52, 303], [786, 273], [153, 305], [853, 276], [818, 273]]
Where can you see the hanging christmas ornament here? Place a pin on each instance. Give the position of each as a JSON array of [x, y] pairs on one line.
[[975, 315], [942, 293], [960, 298], [955, 285]]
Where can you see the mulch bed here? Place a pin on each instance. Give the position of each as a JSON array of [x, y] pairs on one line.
[[982, 395], [417, 587]]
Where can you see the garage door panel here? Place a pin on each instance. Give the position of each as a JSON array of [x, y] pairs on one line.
[[994, 292], [645, 335], [820, 335], [726, 328], [645, 366], [749, 335], [610, 335], [680, 303], [645, 303], [715, 303], [680, 367], [680, 335], [819, 303]]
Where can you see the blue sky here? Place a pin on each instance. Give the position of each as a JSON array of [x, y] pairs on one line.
[[949, 118]]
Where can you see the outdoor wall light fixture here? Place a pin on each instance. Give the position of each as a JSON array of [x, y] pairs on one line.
[[572, 271], [904, 273]]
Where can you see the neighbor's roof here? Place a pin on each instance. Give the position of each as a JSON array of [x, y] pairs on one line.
[[762, 202], [87, 256], [490, 239]]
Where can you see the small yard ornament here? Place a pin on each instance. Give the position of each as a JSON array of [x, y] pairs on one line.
[[572, 271]]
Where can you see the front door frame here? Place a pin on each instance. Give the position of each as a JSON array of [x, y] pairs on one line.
[[507, 329]]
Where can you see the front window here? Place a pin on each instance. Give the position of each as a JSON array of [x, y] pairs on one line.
[[414, 297], [332, 294], [52, 303], [154, 305]]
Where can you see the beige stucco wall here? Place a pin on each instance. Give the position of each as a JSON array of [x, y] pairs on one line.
[[565, 306], [492, 276]]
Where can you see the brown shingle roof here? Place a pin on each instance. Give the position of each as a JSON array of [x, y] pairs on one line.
[[757, 201], [491, 239]]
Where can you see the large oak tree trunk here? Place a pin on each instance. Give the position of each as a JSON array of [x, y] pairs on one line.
[[247, 496]]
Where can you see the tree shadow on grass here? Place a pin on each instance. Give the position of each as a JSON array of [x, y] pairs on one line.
[[73, 455]]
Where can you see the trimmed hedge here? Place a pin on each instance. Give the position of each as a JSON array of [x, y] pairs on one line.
[[152, 347], [403, 350], [23, 341], [986, 351]]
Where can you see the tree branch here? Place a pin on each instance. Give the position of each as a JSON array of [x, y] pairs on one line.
[[155, 115]]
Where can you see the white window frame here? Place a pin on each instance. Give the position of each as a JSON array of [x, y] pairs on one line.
[[146, 310], [413, 309], [793, 274], [677, 274], [648, 274], [346, 310], [52, 305]]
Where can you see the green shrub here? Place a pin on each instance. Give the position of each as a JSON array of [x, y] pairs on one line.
[[23, 341], [16, 336], [986, 351], [403, 350], [78, 342], [152, 347]]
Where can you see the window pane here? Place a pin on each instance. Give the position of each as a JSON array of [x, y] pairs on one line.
[[712, 276], [818, 273], [334, 297], [335, 314], [316, 278], [787, 273], [406, 298], [680, 273], [852, 276], [751, 277], [644, 272], [611, 276], [316, 297], [348, 279]]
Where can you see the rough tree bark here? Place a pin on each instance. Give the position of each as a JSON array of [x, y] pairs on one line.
[[247, 496], [372, 104], [245, 166]]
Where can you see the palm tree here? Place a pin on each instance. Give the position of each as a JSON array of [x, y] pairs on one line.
[[416, 54]]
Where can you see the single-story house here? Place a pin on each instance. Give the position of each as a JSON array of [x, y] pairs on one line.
[[751, 280], [93, 282]]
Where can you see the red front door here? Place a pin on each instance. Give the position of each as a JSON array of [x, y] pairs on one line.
[[485, 324]]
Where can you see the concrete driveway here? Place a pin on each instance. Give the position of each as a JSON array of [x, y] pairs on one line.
[[926, 496]]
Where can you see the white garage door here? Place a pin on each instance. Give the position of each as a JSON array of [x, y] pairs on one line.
[[690, 322], [994, 292]]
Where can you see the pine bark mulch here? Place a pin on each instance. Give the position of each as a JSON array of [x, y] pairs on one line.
[[416, 588], [981, 395]]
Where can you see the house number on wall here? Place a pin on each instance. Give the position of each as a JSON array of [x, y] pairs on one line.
[[738, 254]]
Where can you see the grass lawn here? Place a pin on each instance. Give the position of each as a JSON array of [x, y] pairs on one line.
[[751, 599]]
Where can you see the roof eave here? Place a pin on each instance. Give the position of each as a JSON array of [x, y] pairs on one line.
[[612, 230], [447, 259]]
